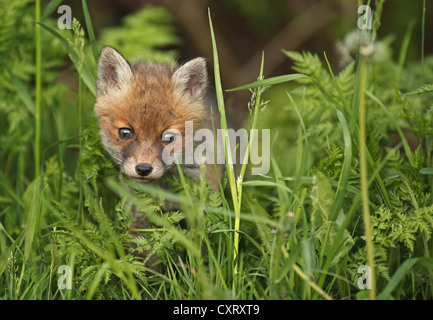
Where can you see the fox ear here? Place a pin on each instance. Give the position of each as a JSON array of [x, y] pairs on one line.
[[190, 80], [113, 70]]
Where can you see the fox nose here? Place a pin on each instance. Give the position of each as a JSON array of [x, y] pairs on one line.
[[143, 169]]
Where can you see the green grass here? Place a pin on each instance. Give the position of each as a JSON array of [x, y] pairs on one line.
[[340, 193]]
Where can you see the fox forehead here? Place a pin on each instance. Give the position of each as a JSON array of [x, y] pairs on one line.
[[148, 75], [149, 94]]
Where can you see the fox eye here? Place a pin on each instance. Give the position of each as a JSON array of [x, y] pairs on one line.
[[168, 137], [125, 133]]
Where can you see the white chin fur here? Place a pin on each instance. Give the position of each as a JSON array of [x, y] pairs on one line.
[[129, 169]]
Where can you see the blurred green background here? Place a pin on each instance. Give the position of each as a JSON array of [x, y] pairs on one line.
[[245, 28], [180, 30]]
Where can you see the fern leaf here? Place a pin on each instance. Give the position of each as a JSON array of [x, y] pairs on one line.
[[423, 89]]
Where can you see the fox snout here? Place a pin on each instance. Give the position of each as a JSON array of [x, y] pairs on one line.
[[143, 169]]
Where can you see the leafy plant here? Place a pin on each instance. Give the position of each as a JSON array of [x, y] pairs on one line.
[[299, 232]]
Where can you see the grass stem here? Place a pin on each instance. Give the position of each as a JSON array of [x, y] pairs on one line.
[[38, 80], [227, 151], [364, 174], [312, 284]]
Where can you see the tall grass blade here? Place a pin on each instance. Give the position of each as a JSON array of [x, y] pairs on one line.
[[32, 219], [345, 172], [364, 176], [227, 150], [87, 76], [90, 32], [397, 278], [50, 8], [38, 88], [270, 81]]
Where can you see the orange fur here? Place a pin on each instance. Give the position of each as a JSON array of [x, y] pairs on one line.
[[149, 99], [146, 100]]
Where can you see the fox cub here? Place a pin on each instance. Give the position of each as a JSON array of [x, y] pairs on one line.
[[143, 108]]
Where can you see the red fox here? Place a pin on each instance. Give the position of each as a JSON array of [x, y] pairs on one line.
[[143, 108]]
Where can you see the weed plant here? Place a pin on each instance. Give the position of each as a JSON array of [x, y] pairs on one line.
[[343, 191]]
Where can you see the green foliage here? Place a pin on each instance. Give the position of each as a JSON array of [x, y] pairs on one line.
[[142, 34], [296, 233], [68, 216], [400, 231]]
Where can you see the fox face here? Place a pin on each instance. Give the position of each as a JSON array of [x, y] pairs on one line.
[[142, 108]]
